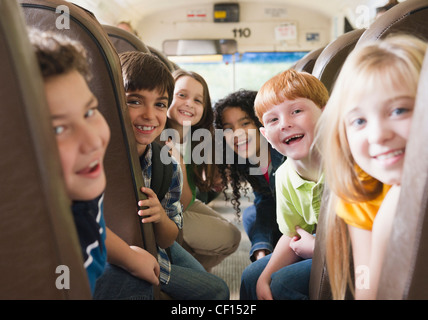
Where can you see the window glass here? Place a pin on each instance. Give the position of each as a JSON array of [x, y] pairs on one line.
[[228, 73]]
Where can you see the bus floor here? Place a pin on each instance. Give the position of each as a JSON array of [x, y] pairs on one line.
[[231, 268]]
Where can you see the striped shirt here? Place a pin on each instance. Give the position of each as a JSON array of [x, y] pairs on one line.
[[171, 204]]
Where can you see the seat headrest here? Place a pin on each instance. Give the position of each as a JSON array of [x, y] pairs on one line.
[[124, 41], [407, 17], [307, 63], [331, 59], [171, 65]]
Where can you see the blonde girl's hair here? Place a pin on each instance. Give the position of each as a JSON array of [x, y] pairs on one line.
[[289, 85], [394, 61]]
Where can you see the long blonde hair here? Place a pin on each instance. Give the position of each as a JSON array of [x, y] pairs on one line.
[[396, 61]]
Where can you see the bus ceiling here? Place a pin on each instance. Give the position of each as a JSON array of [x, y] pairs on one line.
[[256, 25]]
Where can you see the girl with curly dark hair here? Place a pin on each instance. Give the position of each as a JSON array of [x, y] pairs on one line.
[[235, 115]]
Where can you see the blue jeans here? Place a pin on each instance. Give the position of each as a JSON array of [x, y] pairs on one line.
[[190, 281], [288, 283], [118, 284], [263, 234]]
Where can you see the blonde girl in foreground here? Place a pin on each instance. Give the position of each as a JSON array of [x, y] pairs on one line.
[[363, 133]]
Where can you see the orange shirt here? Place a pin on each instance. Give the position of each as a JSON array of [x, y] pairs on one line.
[[361, 215]]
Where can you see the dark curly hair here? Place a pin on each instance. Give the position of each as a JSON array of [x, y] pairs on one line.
[[237, 175]]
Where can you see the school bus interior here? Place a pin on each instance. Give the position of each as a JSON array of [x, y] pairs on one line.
[[36, 230]]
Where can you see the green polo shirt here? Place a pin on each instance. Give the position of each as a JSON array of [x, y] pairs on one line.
[[298, 200]]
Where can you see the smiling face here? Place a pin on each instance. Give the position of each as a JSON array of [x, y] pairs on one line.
[[240, 131], [289, 127], [82, 134], [188, 101], [147, 110], [377, 128]]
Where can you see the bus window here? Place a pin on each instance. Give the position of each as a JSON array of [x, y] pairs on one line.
[[230, 72]]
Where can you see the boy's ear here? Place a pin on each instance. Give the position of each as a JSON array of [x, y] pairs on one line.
[[263, 132]]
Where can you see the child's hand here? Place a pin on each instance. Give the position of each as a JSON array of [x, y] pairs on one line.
[[303, 246], [145, 266], [154, 211], [258, 254]]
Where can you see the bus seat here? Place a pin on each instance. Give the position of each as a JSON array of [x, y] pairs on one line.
[[327, 68], [124, 41], [319, 286], [37, 232], [331, 59], [407, 17], [319, 283], [405, 269], [121, 162], [308, 61], [171, 65]]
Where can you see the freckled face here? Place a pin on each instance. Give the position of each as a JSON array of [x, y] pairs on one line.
[[290, 126]]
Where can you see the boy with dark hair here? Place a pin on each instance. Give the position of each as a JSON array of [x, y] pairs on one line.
[[149, 87]]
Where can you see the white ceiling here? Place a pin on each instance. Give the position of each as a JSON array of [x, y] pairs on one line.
[[112, 11]]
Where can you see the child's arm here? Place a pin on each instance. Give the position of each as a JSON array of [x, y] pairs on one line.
[[135, 260], [361, 250], [282, 256], [166, 231], [369, 247]]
